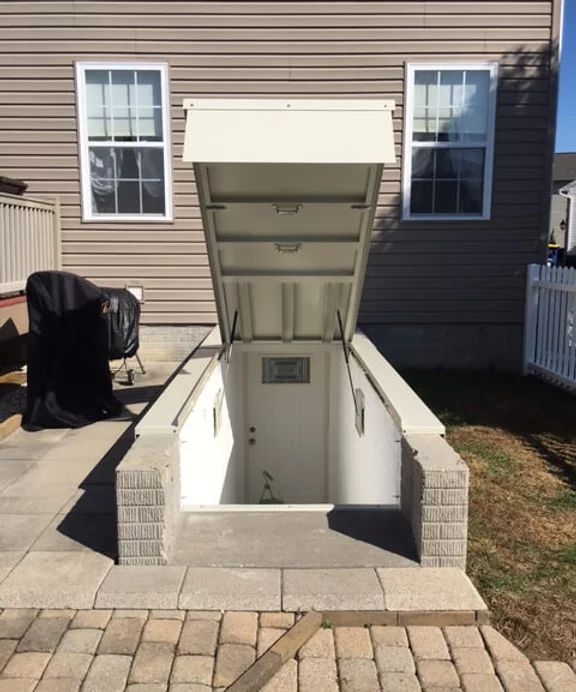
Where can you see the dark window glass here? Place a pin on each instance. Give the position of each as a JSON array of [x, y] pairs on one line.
[[421, 197], [470, 201], [423, 163], [446, 197]]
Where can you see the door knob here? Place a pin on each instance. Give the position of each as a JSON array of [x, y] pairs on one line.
[[252, 429], [252, 441]]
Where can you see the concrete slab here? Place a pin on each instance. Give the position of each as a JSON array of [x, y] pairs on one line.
[[331, 589], [141, 587], [19, 531], [359, 538], [8, 560], [43, 503], [429, 589], [102, 430], [54, 580], [80, 532], [207, 588], [75, 449], [12, 469]]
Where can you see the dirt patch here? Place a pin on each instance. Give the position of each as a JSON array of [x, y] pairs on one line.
[[518, 437]]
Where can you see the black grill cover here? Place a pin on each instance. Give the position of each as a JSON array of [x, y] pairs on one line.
[[123, 318], [69, 381]]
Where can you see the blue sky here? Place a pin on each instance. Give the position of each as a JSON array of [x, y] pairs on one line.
[[566, 132]]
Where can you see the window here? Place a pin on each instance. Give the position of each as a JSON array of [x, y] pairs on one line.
[[449, 141], [124, 147]]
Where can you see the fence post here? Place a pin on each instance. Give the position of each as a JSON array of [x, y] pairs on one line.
[[530, 316]]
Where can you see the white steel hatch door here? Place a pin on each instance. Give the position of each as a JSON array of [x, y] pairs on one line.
[[288, 191]]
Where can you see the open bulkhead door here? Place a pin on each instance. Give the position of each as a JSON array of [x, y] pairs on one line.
[[288, 191]]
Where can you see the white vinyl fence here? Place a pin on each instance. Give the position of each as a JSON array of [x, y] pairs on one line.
[[550, 324], [29, 239]]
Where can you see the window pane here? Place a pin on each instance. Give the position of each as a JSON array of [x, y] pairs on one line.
[[103, 180], [471, 163], [451, 105], [128, 197], [99, 126], [426, 89], [123, 105], [150, 124], [471, 194], [424, 125], [152, 167], [97, 91], [128, 163], [447, 181], [447, 161], [149, 91], [450, 91], [423, 163], [127, 180], [445, 196], [421, 197]]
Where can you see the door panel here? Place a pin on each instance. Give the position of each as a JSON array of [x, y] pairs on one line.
[[286, 424]]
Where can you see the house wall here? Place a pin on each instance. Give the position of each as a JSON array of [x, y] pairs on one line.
[[558, 212], [423, 279]]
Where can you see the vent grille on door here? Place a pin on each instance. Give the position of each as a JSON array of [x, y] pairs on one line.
[[295, 370]]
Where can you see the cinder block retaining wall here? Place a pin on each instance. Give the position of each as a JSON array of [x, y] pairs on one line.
[[434, 496], [148, 500]]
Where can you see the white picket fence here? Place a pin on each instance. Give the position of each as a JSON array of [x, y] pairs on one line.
[[550, 324], [29, 239]]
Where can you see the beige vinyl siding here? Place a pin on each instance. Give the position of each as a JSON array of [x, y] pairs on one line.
[[419, 272]]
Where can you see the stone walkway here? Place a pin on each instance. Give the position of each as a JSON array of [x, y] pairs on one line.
[[195, 651]]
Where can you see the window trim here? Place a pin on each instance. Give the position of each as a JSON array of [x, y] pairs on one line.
[[411, 68], [81, 116]]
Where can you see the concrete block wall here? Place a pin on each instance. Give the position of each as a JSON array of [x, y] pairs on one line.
[[147, 494], [169, 342], [434, 497]]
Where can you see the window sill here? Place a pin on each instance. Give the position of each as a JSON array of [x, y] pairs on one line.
[[128, 219], [439, 217]]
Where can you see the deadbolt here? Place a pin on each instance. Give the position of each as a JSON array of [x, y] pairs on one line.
[[252, 441], [252, 429]]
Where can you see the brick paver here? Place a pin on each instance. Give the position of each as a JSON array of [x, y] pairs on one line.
[[81, 641], [200, 651], [121, 636], [239, 628], [353, 642], [231, 661], [152, 663], [166, 631], [199, 637]]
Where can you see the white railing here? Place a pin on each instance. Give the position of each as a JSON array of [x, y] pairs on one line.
[[550, 324], [29, 239]]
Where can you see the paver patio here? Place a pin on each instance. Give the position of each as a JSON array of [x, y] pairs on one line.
[[199, 651]]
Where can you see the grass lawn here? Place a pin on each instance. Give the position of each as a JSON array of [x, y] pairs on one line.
[[518, 437]]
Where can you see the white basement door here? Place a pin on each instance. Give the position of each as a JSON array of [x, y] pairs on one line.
[[288, 191]]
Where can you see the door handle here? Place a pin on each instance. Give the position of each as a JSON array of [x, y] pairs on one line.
[[252, 429], [252, 441]]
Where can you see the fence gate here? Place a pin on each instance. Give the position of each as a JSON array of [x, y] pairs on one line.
[[550, 324]]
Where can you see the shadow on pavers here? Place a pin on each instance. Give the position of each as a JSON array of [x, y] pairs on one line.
[[382, 528], [91, 521]]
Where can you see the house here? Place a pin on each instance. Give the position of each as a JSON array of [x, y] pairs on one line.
[[563, 174], [91, 112]]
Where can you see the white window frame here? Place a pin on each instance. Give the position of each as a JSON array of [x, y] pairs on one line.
[[411, 68], [87, 213]]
